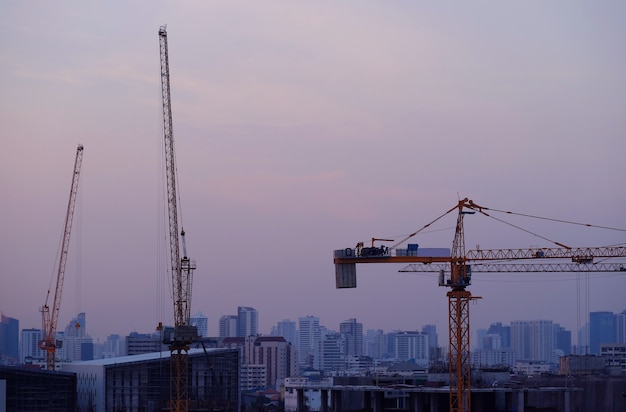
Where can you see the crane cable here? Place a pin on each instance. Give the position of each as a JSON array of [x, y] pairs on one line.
[[422, 228], [525, 230], [556, 220]]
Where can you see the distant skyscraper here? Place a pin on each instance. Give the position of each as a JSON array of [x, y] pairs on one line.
[[247, 321], [9, 340], [201, 322], [76, 339], [542, 342], [228, 326], [620, 327], [115, 346], [309, 335], [29, 347], [503, 331], [330, 352], [563, 339], [287, 329], [533, 340], [414, 346], [601, 330], [352, 333], [431, 331], [520, 339]]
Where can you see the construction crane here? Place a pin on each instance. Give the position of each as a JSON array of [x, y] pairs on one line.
[[182, 268], [455, 268], [48, 343]]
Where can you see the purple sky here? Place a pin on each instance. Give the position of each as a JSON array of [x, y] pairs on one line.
[[301, 128]]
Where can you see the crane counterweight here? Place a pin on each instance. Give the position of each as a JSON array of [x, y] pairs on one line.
[[455, 267]]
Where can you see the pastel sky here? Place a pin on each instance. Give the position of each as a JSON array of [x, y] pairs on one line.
[[300, 128]]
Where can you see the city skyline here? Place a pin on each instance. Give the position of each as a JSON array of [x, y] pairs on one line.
[[617, 327], [301, 129]]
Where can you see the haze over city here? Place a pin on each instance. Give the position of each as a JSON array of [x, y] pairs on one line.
[[301, 128]]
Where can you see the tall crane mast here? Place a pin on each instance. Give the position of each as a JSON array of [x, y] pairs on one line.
[[49, 317], [460, 265], [182, 268]]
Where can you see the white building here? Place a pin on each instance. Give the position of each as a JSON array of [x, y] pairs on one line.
[[228, 326], [247, 321], [533, 340], [29, 345], [309, 334], [493, 357], [412, 345], [330, 352], [201, 322]]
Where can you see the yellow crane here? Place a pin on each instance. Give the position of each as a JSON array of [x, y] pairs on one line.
[[49, 343], [182, 268], [455, 270]]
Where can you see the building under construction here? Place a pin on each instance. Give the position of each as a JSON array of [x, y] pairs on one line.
[[36, 390], [142, 382]]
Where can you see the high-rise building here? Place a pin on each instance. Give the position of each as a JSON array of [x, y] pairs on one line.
[[534, 340], [351, 332], [228, 326], [542, 343], [563, 339], [287, 329], [114, 346], [620, 327], [29, 346], [76, 340], [330, 354], [9, 340], [247, 321], [139, 343], [431, 331], [414, 346], [520, 339], [275, 353], [201, 322], [503, 331], [309, 334], [601, 330]]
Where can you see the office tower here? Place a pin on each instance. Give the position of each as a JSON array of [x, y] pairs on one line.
[[491, 341], [9, 340], [431, 331], [351, 332], [330, 352], [563, 339], [479, 337], [503, 331], [247, 321], [201, 322], [287, 329], [76, 339], [414, 346], [308, 337], [601, 330], [620, 327], [138, 343], [29, 346], [533, 340], [114, 346], [520, 339], [542, 343], [276, 354], [228, 326]]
